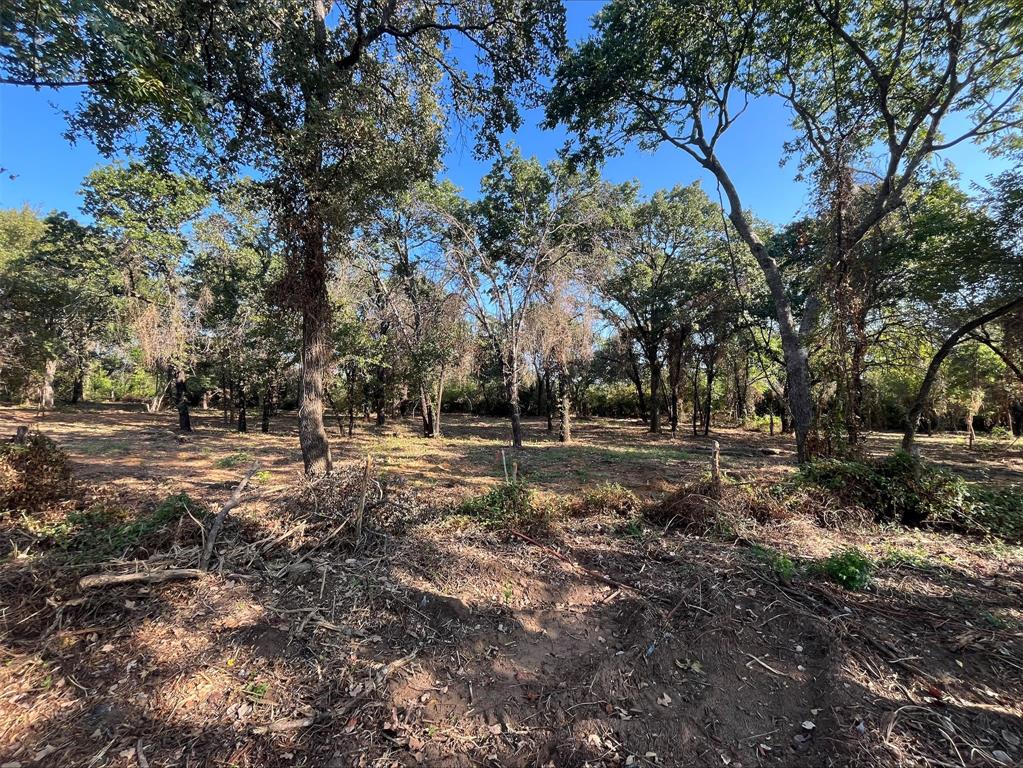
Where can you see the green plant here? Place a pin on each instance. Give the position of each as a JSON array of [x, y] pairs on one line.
[[784, 567], [510, 505], [849, 567], [235, 459], [633, 528], [896, 487], [995, 511], [607, 498]]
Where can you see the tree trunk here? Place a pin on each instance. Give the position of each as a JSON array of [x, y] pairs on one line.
[[315, 347], [708, 403], [797, 365], [923, 394], [184, 418], [655, 399], [439, 404], [511, 378], [564, 406], [696, 398], [46, 391], [267, 399], [243, 425], [638, 381], [78, 386]]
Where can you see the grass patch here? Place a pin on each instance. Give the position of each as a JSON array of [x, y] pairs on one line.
[[510, 505], [783, 566], [234, 460], [607, 498], [101, 533]]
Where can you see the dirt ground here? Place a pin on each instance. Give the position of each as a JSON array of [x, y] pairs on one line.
[[600, 642]]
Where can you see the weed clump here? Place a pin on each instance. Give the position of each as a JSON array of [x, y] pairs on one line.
[[100, 532], [607, 498], [849, 567], [511, 505], [33, 474]]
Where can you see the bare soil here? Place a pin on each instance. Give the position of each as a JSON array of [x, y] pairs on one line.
[[601, 642]]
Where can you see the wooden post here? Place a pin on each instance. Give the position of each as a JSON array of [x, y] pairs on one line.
[[515, 471], [504, 462], [362, 501], [715, 469]]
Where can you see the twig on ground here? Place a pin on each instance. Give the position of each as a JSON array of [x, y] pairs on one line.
[[218, 521], [149, 577]]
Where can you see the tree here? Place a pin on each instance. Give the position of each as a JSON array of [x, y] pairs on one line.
[[651, 284], [681, 73], [144, 211], [58, 288], [337, 110], [506, 248], [412, 283]]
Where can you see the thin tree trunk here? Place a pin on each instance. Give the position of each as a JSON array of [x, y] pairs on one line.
[[243, 424], [46, 393], [655, 400], [638, 381], [708, 403], [512, 389], [797, 365], [564, 406], [267, 398]]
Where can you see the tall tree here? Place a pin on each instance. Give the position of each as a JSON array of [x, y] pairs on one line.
[[681, 73], [338, 106], [506, 248]]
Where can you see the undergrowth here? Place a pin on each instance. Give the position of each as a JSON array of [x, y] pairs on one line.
[[606, 498], [100, 532], [898, 488], [510, 505]]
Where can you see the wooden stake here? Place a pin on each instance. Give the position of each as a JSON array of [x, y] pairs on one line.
[[715, 469], [504, 461], [362, 501]]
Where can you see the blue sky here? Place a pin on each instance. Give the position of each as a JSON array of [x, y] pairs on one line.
[[48, 170]]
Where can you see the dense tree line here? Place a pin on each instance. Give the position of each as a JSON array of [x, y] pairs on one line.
[[282, 235]]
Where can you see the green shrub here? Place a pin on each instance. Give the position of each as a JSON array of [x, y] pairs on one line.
[[784, 567], [99, 532], [607, 498], [33, 474], [993, 511], [895, 488], [848, 567], [510, 505]]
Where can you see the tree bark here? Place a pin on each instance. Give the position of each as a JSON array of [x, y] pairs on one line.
[[511, 379], [797, 367], [312, 435], [655, 399], [923, 394], [564, 406], [638, 381], [243, 424], [46, 393]]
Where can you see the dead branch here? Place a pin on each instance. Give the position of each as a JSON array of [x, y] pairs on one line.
[[218, 521], [149, 577]]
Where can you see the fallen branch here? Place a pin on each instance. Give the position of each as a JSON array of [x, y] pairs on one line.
[[285, 725], [149, 577], [218, 521]]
